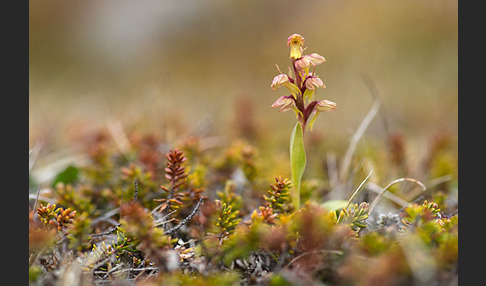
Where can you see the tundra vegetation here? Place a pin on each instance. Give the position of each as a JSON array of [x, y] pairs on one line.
[[153, 214]]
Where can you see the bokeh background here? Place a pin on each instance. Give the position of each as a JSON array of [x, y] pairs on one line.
[[205, 67]]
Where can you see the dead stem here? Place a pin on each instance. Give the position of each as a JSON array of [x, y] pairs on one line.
[[357, 190], [186, 220], [391, 184]]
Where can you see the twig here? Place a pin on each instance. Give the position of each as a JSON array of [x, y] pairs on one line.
[[452, 213], [136, 190], [41, 198], [391, 184], [115, 270], [100, 263], [282, 259], [322, 251], [186, 220], [106, 232], [162, 220], [106, 217]]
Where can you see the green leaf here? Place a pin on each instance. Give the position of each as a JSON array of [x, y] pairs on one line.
[[67, 176], [334, 205], [297, 162]]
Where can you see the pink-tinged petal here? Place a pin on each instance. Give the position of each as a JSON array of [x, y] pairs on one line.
[[295, 39], [279, 80], [325, 105], [315, 59], [302, 65], [285, 103], [313, 82], [283, 80]]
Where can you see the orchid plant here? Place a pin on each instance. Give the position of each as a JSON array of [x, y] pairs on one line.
[[301, 82]]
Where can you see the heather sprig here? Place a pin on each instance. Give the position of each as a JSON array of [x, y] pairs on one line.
[[278, 195], [355, 216], [58, 218], [227, 217], [176, 173], [47, 213]]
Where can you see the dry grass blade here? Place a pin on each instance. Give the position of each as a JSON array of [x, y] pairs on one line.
[[36, 198], [34, 154], [332, 170], [392, 197], [357, 190], [356, 137], [391, 184], [119, 136]]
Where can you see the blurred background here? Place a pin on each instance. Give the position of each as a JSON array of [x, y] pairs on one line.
[[205, 67]]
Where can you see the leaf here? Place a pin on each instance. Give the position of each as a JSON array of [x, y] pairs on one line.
[[297, 162], [334, 205], [67, 176]]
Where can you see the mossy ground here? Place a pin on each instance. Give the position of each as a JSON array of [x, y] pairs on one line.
[[243, 231]]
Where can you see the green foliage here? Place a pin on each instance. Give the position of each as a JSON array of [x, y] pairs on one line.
[[279, 280], [278, 195], [239, 155], [334, 205], [69, 175], [35, 273], [76, 198], [237, 234], [297, 162], [227, 216], [57, 217], [79, 232], [229, 196], [355, 216]]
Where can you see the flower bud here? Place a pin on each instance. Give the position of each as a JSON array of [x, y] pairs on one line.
[[283, 80], [302, 65], [312, 82], [286, 103], [325, 105], [279, 80], [315, 59]]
